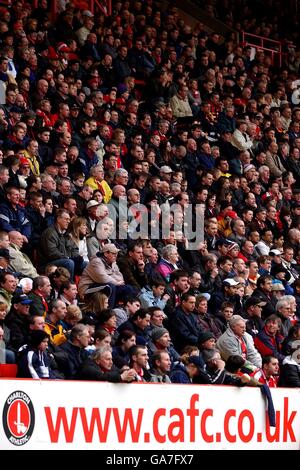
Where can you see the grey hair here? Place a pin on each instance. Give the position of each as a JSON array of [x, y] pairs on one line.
[[282, 303], [263, 168], [94, 169], [293, 232], [290, 300], [99, 352], [78, 330], [120, 172], [235, 319], [209, 354], [175, 186], [167, 250]]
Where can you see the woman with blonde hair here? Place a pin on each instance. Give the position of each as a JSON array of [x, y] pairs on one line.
[[78, 230], [95, 302], [73, 316]]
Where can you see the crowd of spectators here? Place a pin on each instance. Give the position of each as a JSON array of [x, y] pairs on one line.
[[106, 123]]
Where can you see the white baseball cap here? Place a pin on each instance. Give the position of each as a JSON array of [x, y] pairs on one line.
[[166, 169], [93, 203], [88, 13], [274, 252], [230, 282]]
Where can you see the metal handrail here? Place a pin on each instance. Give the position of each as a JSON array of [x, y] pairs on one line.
[[103, 5], [265, 44]]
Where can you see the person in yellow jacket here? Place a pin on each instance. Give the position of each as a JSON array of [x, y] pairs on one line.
[[53, 326], [97, 181], [32, 155]]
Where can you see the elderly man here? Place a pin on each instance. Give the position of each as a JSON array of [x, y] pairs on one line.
[[240, 139], [121, 177], [102, 233], [97, 181], [283, 310], [180, 104], [103, 270], [100, 367], [117, 206], [20, 262], [235, 340]]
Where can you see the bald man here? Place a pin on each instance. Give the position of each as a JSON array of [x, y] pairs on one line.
[[20, 262]]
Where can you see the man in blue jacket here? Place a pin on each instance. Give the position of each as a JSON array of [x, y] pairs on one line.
[[12, 215]]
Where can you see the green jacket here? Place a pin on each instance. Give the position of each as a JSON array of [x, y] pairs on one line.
[[55, 245], [5, 297]]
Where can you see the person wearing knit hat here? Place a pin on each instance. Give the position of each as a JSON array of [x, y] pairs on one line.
[[52, 55], [206, 340], [121, 101], [278, 288], [24, 162], [161, 341], [231, 214], [62, 47], [249, 167], [157, 333]]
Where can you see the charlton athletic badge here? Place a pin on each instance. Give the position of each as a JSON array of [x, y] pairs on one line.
[[18, 418]]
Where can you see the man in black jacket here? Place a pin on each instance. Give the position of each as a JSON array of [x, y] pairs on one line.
[[100, 367], [18, 321], [183, 325], [57, 247], [263, 292], [133, 266], [74, 351]]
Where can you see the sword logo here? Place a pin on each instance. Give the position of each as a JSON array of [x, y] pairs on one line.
[[21, 428]]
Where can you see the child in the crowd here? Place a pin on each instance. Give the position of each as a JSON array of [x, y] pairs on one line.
[[155, 297], [34, 361]]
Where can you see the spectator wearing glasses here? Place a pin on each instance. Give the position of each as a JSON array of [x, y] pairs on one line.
[[283, 310]]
